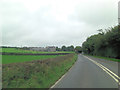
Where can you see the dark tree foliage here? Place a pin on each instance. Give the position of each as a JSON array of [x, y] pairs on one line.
[[58, 49], [78, 49], [7, 47], [64, 48], [104, 43], [69, 48]]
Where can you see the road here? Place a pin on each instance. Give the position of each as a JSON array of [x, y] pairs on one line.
[[86, 73]]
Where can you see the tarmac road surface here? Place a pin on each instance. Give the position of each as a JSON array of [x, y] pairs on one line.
[[90, 72]]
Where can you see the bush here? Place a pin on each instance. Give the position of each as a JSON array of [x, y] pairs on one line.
[[104, 43]]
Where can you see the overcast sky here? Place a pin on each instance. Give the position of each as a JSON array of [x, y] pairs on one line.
[[54, 22]]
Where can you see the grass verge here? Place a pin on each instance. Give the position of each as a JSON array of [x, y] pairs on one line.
[[36, 74], [106, 58]]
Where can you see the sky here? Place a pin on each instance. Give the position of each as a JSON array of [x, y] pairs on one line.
[[42, 23]]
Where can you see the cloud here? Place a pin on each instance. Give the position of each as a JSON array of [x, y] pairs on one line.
[[53, 22], [97, 13]]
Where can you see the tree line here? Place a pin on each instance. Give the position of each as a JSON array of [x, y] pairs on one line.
[[77, 49], [105, 43]]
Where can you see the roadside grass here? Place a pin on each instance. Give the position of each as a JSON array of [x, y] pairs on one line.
[[15, 50], [106, 58], [6, 59], [36, 74]]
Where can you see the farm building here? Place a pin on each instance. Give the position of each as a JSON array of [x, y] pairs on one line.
[[48, 49], [37, 48], [51, 49]]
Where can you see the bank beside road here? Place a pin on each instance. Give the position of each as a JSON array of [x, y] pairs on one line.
[[90, 72], [36, 73]]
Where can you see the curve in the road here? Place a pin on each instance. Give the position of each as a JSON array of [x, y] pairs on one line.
[[88, 73], [108, 71]]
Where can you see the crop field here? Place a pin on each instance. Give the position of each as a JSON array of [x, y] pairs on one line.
[[15, 50], [6, 59]]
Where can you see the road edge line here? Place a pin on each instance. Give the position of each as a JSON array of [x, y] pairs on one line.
[[105, 69], [62, 76]]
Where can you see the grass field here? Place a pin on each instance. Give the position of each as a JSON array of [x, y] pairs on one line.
[[6, 59], [34, 71], [37, 73], [15, 50]]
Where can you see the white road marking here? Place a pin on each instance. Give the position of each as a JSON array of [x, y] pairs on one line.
[[61, 77], [58, 81], [108, 71]]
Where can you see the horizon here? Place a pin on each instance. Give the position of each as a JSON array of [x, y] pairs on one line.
[[33, 46]]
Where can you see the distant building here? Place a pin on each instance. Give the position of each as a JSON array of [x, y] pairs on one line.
[[48, 49], [51, 49], [37, 48]]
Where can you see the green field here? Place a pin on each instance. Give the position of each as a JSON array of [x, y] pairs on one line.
[[34, 71], [15, 50], [36, 74], [6, 59]]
